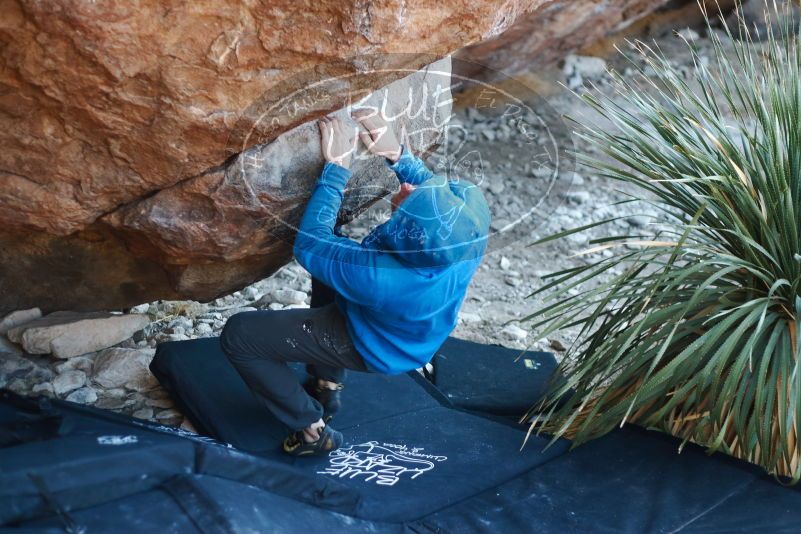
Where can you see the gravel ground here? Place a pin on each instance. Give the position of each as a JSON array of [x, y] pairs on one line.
[[514, 183]]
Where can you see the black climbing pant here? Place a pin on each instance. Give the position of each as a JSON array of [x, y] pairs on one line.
[[260, 343]]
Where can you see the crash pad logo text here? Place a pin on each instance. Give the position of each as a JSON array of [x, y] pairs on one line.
[[384, 464]]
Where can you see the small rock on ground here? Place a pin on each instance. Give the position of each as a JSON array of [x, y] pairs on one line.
[[115, 367], [188, 426], [286, 296], [68, 334], [68, 381], [84, 395], [43, 388], [168, 414], [144, 413], [514, 332], [18, 318], [160, 403]]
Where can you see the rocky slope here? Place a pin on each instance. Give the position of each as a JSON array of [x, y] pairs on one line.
[[126, 129]]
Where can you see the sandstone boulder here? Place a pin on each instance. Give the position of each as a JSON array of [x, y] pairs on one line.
[[552, 30], [107, 104], [219, 230], [68, 334]]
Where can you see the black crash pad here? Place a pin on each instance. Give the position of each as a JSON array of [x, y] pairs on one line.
[[491, 378], [93, 461], [629, 481], [424, 467], [407, 452], [633, 481], [202, 504], [211, 393]]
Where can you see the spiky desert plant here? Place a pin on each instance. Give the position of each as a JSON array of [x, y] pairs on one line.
[[694, 329]]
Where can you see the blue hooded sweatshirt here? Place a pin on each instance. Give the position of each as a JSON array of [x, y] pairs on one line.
[[401, 288]]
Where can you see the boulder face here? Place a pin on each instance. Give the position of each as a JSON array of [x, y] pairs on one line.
[[552, 30], [166, 150]]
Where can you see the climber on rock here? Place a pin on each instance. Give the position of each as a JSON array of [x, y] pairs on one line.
[[384, 305]]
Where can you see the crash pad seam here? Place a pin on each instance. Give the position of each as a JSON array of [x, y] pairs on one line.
[[698, 516]]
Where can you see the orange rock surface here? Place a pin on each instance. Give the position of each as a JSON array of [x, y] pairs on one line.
[[121, 121]]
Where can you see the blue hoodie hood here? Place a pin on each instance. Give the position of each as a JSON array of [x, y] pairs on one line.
[[440, 223]]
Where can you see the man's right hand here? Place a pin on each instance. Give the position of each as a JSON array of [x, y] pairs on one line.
[[378, 137], [337, 140]]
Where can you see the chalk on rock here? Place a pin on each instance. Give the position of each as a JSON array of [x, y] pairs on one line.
[[68, 381], [114, 368], [68, 334], [19, 318]]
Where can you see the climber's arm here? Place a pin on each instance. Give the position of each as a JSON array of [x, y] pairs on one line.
[[410, 169], [339, 262], [379, 139]]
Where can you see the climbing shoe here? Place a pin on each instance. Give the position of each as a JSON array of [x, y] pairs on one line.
[[330, 399], [329, 440]]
